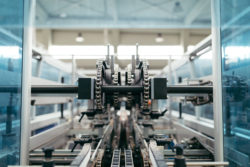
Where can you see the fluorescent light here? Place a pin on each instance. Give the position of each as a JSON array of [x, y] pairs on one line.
[[159, 38], [79, 38]]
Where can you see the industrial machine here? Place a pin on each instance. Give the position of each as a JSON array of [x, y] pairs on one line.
[[125, 117], [122, 125]]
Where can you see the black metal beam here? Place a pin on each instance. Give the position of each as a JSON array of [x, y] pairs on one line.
[[179, 89], [54, 89], [72, 89]]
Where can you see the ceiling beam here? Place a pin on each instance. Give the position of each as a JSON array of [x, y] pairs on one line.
[[196, 11], [100, 22], [114, 10], [41, 13], [158, 6]]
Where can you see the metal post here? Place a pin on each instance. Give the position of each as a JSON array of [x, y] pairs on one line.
[[62, 110], [73, 78], [29, 11], [228, 119], [112, 64], [33, 110], [109, 114], [108, 54], [169, 83], [192, 69], [217, 79], [180, 110], [39, 68], [197, 110], [9, 116], [133, 64], [62, 105], [137, 54]]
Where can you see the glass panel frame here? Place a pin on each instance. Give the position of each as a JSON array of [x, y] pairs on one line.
[[235, 46], [11, 54]]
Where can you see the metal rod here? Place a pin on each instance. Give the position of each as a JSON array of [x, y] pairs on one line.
[[57, 161], [29, 17], [170, 99], [72, 89], [62, 105], [108, 55], [32, 155], [9, 119], [189, 89], [62, 110], [189, 164], [54, 89], [73, 80], [112, 64], [9, 115], [217, 79], [180, 110], [137, 54], [95, 152]]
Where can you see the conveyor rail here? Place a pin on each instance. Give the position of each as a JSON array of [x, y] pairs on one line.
[[200, 164], [128, 158], [116, 158]]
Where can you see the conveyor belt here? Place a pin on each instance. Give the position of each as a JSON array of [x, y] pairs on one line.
[[116, 158], [128, 158]]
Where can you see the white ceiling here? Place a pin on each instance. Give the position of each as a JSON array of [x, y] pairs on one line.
[[123, 13], [181, 22]]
